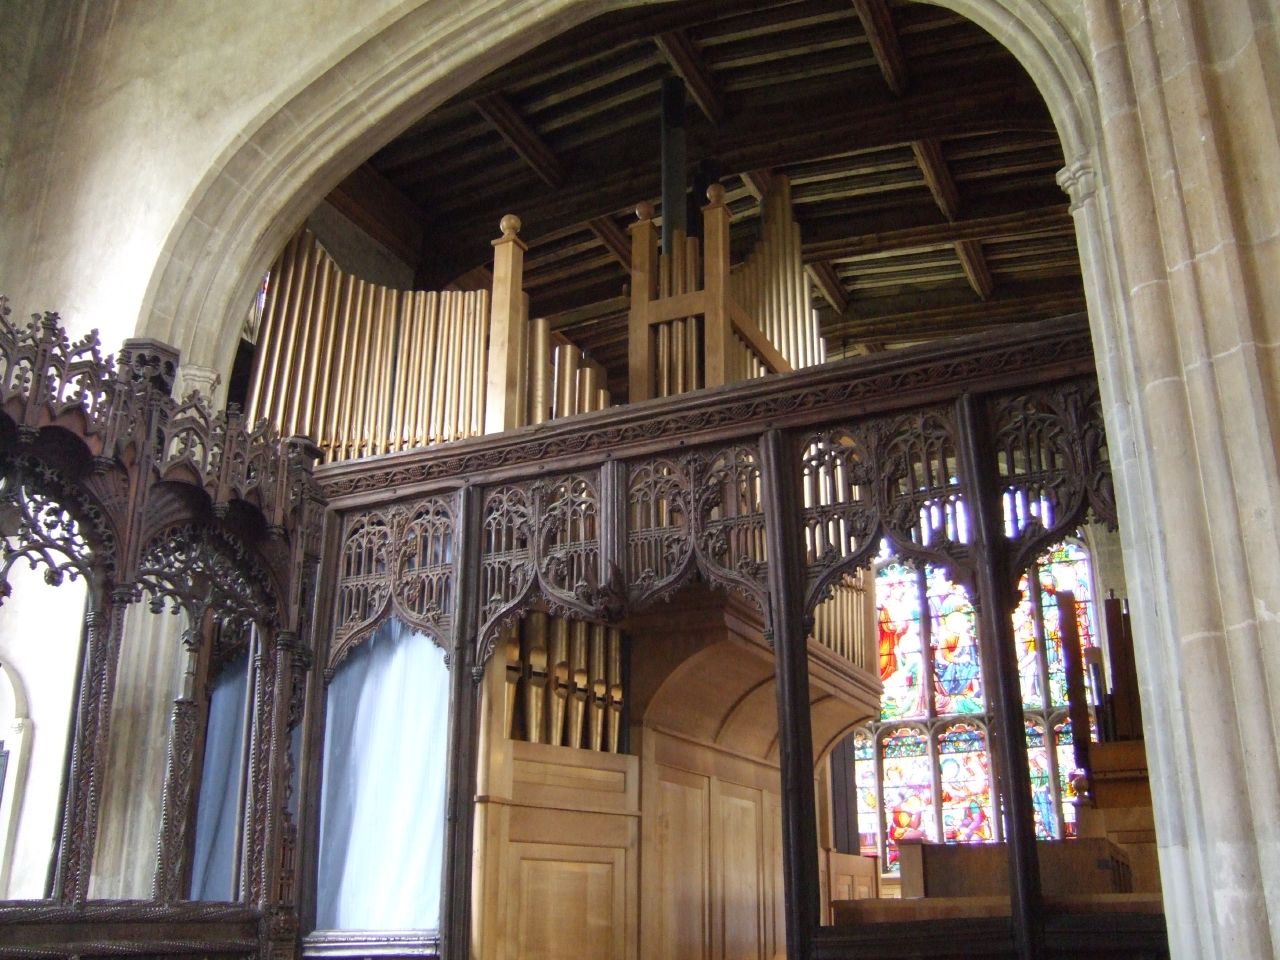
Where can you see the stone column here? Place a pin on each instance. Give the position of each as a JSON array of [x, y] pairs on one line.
[[1189, 158]]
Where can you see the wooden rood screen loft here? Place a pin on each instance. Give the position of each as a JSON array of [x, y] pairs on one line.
[[541, 558]]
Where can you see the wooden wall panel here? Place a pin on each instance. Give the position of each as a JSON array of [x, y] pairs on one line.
[[711, 855], [679, 866], [741, 872], [568, 901]]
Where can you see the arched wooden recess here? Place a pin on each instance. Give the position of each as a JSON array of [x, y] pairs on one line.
[[105, 476]]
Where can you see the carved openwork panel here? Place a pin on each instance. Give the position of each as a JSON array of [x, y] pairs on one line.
[[542, 534], [364, 581], [569, 538], [923, 499], [659, 545], [424, 570], [701, 511], [506, 559], [839, 475], [47, 373], [201, 570], [194, 437], [1051, 456], [45, 524], [730, 518]]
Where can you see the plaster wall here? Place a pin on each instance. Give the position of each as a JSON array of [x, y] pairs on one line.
[[127, 107], [40, 630]]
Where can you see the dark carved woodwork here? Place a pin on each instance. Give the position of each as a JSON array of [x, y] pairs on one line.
[[103, 475], [774, 488]]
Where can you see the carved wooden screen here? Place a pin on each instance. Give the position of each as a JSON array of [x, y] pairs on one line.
[[396, 560], [701, 511]]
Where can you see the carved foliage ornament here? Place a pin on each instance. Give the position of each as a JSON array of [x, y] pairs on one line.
[[202, 571], [543, 537], [399, 560], [1051, 457], [701, 511], [45, 523], [894, 478], [40, 367]]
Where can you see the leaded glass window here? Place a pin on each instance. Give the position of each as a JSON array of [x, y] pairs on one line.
[[923, 770]]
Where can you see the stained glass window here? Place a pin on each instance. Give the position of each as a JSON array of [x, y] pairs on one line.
[[953, 635], [901, 644], [868, 793], [1041, 783], [965, 777], [933, 778], [907, 788]]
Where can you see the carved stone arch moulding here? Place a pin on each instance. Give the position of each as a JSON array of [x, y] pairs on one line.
[[1053, 465], [395, 560], [48, 522]]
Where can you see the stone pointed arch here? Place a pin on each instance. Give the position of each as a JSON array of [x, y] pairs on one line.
[[282, 164]]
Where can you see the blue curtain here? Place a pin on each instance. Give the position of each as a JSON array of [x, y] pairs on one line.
[[382, 803], [218, 808]]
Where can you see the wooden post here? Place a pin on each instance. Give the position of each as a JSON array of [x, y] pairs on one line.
[[505, 405], [1073, 661], [996, 599], [782, 511], [717, 329], [464, 726], [644, 249]]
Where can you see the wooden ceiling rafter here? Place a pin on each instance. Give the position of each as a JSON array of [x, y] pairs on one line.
[[522, 138], [921, 159], [1029, 223], [877, 22], [827, 282], [614, 239], [682, 53]]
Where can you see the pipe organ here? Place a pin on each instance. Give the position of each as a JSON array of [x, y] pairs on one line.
[[695, 324], [365, 369], [771, 284], [845, 622], [564, 684]]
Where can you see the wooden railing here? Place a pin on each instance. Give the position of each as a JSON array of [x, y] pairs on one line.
[[694, 323]]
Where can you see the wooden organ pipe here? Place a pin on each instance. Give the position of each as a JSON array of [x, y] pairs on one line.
[[365, 369], [599, 688], [579, 631], [535, 684], [511, 649], [772, 287], [540, 362], [844, 621], [564, 683], [613, 677], [558, 679]]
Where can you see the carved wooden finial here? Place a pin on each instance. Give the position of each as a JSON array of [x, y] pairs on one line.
[[644, 210], [509, 225], [715, 194]]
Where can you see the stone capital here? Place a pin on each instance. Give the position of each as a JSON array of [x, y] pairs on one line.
[[193, 377], [1079, 181]]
